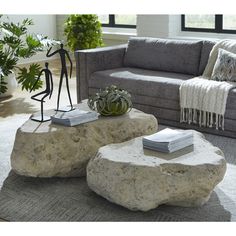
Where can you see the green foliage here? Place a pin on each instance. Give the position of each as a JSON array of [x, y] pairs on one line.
[[27, 77], [111, 101], [3, 83], [83, 31], [7, 63], [17, 43]]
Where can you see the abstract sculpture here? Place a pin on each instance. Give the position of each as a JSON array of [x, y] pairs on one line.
[[63, 54], [47, 92]]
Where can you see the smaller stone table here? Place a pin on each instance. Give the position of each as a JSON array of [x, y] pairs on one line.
[[46, 149], [141, 179]]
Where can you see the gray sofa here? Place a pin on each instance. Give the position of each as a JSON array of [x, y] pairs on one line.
[[152, 71]]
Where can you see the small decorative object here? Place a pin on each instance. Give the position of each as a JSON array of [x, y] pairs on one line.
[[111, 102], [47, 92], [63, 54]]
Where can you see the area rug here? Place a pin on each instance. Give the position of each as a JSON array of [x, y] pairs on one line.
[[70, 199]]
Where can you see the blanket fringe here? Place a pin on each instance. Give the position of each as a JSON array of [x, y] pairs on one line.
[[202, 118]]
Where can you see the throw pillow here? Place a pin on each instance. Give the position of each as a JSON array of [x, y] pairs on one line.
[[226, 44], [225, 66]]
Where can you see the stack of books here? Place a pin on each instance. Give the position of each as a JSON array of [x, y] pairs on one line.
[[168, 140], [74, 117]]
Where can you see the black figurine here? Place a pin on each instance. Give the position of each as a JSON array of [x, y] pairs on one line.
[[48, 92], [63, 54]]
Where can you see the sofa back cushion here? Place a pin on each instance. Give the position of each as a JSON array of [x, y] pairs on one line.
[[163, 54], [206, 49]]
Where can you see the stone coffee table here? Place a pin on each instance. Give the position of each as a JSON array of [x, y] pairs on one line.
[[141, 179], [46, 149]]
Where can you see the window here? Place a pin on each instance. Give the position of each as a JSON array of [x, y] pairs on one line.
[[209, 23], [119, 21], [229, 22]]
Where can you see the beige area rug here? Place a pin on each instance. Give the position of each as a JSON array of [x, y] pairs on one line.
[[70, 199]]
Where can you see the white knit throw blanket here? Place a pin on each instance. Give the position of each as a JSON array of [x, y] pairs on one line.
[[203, 102]]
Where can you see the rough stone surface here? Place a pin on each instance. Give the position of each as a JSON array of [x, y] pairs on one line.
[[141, 179], [46, 149]]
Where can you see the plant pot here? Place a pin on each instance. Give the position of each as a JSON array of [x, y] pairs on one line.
[[11, 85]]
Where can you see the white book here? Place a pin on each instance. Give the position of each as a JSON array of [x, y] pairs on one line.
[[168, 136], [74, 117], [170, 148]]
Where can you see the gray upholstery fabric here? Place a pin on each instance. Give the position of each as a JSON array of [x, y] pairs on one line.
[[164, 85], [205, 52], [172, 117], [228, 132], [231, 101], [174, 114], [88, 61], [153, 88], [164, 55], [147, 100]]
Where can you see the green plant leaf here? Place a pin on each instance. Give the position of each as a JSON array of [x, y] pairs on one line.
[[3, 87], [7, 64], [33, 42], [17, 29], [28, 77]]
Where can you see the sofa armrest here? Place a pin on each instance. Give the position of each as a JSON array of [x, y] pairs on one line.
[[91, 60]]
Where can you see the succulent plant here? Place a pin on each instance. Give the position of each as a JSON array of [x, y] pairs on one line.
[[111, 102]]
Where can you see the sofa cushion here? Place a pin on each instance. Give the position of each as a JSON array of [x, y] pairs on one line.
[[178, 56], [225, 66], [151, 88], [140, 81], [206, 49]]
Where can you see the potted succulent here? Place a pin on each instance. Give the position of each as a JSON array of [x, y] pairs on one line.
[[111, 102], [17, 43], [83, 31]]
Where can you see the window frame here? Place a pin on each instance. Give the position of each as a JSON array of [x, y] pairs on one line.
[[218, 26], [114, 25]]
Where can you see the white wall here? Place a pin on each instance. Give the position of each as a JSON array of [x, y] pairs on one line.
[[153, 25], [43, 24], [60, 25]]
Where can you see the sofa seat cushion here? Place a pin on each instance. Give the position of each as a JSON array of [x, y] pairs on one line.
[[180, 56], [152, 88], [149, 83]]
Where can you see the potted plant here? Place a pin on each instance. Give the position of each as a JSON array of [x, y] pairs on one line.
[[17, 43], [111, 102], [83, 31]]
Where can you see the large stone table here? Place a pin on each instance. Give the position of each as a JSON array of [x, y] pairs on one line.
[[46, 149], [141, 179]]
